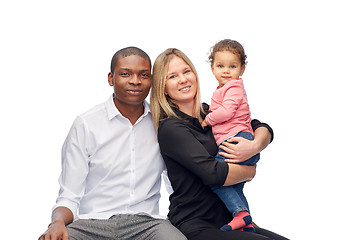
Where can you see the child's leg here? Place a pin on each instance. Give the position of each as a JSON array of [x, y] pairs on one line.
[[241, 220], [239, 188], [230, 197]]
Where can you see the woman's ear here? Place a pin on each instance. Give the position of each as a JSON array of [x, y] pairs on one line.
[[110, 79]]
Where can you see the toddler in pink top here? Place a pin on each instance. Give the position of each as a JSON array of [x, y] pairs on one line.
[[229, 116]]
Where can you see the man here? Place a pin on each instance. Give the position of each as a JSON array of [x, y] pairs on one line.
[[111, 164]]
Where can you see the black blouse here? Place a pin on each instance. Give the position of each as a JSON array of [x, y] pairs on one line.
[[189, 153]]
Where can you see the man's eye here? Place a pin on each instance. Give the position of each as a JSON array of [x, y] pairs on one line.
[[124, 74], [145, 75]]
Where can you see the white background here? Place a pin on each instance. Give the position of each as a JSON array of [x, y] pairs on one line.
[[54, 60]]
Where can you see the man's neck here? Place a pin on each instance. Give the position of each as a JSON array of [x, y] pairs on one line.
[[130, 111]]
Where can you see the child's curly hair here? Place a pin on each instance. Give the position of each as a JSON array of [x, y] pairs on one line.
[[228, 45]]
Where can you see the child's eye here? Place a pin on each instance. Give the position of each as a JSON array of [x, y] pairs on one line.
[[233, 66], [220, 66]]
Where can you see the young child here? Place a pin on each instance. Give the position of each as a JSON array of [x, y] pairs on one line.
[[229, 116]]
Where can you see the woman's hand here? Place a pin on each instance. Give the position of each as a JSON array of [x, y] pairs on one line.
[[236, 153]]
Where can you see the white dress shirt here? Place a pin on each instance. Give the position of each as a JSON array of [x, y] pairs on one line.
[[110, 166]]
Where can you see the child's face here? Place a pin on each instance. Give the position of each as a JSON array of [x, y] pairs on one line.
[[227, 66]]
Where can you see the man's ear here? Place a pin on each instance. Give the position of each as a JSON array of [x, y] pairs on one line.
[[110, 79]]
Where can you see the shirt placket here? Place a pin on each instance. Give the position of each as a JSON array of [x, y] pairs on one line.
[[132, 165]]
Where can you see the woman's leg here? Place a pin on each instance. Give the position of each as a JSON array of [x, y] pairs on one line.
[[221, 235], [269, 234]]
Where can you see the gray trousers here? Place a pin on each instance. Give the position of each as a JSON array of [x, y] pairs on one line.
[[138, 227]]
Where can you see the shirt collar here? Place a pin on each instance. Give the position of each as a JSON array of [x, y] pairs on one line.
[[112, 110]]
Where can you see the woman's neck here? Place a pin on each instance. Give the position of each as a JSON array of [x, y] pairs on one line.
[[187, 108]]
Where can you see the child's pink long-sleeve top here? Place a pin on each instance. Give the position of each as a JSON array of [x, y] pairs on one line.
[[229, 111]]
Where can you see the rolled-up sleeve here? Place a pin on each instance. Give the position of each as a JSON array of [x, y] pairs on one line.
[[255, 123], [178, 143], [74, 168]]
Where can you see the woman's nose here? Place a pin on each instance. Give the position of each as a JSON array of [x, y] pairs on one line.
[[182, 79]]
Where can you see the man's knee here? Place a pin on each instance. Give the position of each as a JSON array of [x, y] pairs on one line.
[[165, 230]]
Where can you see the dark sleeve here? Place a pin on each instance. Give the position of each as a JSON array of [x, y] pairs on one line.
[[257, 124], [177, 143]]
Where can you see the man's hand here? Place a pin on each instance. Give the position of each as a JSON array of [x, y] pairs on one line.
[[56, 231]]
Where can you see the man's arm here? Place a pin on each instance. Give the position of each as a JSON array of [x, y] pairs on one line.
[[60, 217], [72, 182]]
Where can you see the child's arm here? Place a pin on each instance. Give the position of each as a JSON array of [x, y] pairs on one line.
[[231, 100]]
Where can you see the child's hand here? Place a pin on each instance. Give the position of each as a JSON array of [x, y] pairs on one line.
[[204, 124]]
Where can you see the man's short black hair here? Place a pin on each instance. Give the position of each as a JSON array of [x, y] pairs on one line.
[[128, 51]]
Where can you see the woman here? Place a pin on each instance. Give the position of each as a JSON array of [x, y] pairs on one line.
[[188, 151]]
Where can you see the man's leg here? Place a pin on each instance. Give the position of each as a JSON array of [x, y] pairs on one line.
[[90, 229], [163, 229], [123, 227]]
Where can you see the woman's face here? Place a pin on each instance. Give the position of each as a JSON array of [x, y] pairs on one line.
[[181, 83]]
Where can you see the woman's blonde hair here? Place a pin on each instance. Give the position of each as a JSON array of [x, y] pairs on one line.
[[160, 103]]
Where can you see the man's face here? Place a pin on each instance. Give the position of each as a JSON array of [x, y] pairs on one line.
[[131, 80]]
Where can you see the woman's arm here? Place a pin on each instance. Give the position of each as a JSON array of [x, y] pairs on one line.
[[241, 152], [239, 173], [178, 144]]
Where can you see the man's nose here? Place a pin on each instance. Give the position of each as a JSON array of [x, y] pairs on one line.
[[135, 79]]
